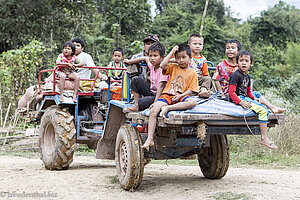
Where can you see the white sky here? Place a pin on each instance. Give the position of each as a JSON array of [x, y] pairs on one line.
[[243, 9]]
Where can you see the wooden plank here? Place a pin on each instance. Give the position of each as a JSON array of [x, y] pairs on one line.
[[212, 119]]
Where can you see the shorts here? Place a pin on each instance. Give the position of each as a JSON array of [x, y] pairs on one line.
[[260, 109], [256, 94], [66, 72], [167, 98]]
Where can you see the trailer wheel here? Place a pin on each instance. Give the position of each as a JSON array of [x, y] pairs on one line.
[[214, 160], [57, 138], [129, 157]]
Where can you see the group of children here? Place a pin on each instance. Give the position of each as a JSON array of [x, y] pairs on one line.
[[182, 73]]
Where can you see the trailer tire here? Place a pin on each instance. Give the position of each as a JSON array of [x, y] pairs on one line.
[[57, 138], [129, 157], [214, 160]]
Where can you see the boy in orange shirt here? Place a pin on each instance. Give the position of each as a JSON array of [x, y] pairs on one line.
[[199, 64], [182, 83]]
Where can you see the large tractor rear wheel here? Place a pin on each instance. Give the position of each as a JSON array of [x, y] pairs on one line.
[[129, 157], [214, 160], [57, 138]]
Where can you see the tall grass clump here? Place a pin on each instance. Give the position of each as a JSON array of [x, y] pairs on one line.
[[245, 149]]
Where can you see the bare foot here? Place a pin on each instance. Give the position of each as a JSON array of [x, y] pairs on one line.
[[268, 144], [133, 108], [278, 110], [164, 111], [148, 143], [61, 98], [204, 93]]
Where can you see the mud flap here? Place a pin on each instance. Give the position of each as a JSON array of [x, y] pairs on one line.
[[114, 120]]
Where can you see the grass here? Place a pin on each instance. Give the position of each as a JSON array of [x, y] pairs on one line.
[[231, 196], [246, 160], [244, 150], [113, 181], [26, 154]]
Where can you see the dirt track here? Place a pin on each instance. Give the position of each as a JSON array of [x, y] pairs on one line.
[[89, 178]]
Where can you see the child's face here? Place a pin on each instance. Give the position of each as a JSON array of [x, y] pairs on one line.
[[244, 63], [196, 45], [117, 56], [147, 44], [78, 48], [231, 50], [67, 51], [155, 58], [182, 59]]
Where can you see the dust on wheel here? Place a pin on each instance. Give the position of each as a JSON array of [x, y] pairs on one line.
[[129, 157], [57, 138], [214, 160]]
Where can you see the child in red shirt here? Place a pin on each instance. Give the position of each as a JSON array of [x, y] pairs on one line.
[[67, 63]]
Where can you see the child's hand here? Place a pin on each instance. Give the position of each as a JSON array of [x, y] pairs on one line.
[[245, 105], [103, 78], [258, 99], [126, 61], [71, 66], [176, 48], [176, 98]]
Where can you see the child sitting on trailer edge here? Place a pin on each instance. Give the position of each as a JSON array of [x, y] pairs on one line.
[[67, 63], [240, 93], [182, 83]]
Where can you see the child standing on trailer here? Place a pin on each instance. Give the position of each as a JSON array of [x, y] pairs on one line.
[[240, 93], [183, 82], [227, 67], [67, 62], [118, 56], [199, 64]]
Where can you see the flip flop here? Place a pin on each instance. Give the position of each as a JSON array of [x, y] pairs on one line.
[[130, 109]]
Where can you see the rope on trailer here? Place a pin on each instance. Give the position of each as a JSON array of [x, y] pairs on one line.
[[250, 128]]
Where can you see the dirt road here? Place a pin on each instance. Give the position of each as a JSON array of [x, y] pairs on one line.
[[89, 178]]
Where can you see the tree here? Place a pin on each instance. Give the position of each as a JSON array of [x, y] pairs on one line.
[[47, 21], [19, 69], [277, 26]]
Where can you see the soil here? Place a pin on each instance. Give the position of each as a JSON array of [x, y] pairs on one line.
[[89, 178]]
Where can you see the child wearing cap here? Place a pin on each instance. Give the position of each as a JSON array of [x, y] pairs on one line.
[[148, 41]]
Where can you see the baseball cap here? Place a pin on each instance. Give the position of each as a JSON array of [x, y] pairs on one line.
[[152, 37]]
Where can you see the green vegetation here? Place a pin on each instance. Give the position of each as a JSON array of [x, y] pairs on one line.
[[245, 150], [32, 33], [231, 196]]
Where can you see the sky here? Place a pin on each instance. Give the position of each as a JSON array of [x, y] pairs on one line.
[[243, 9]]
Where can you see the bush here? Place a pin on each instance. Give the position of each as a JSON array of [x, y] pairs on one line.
[[247, 150], [19, 69]]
